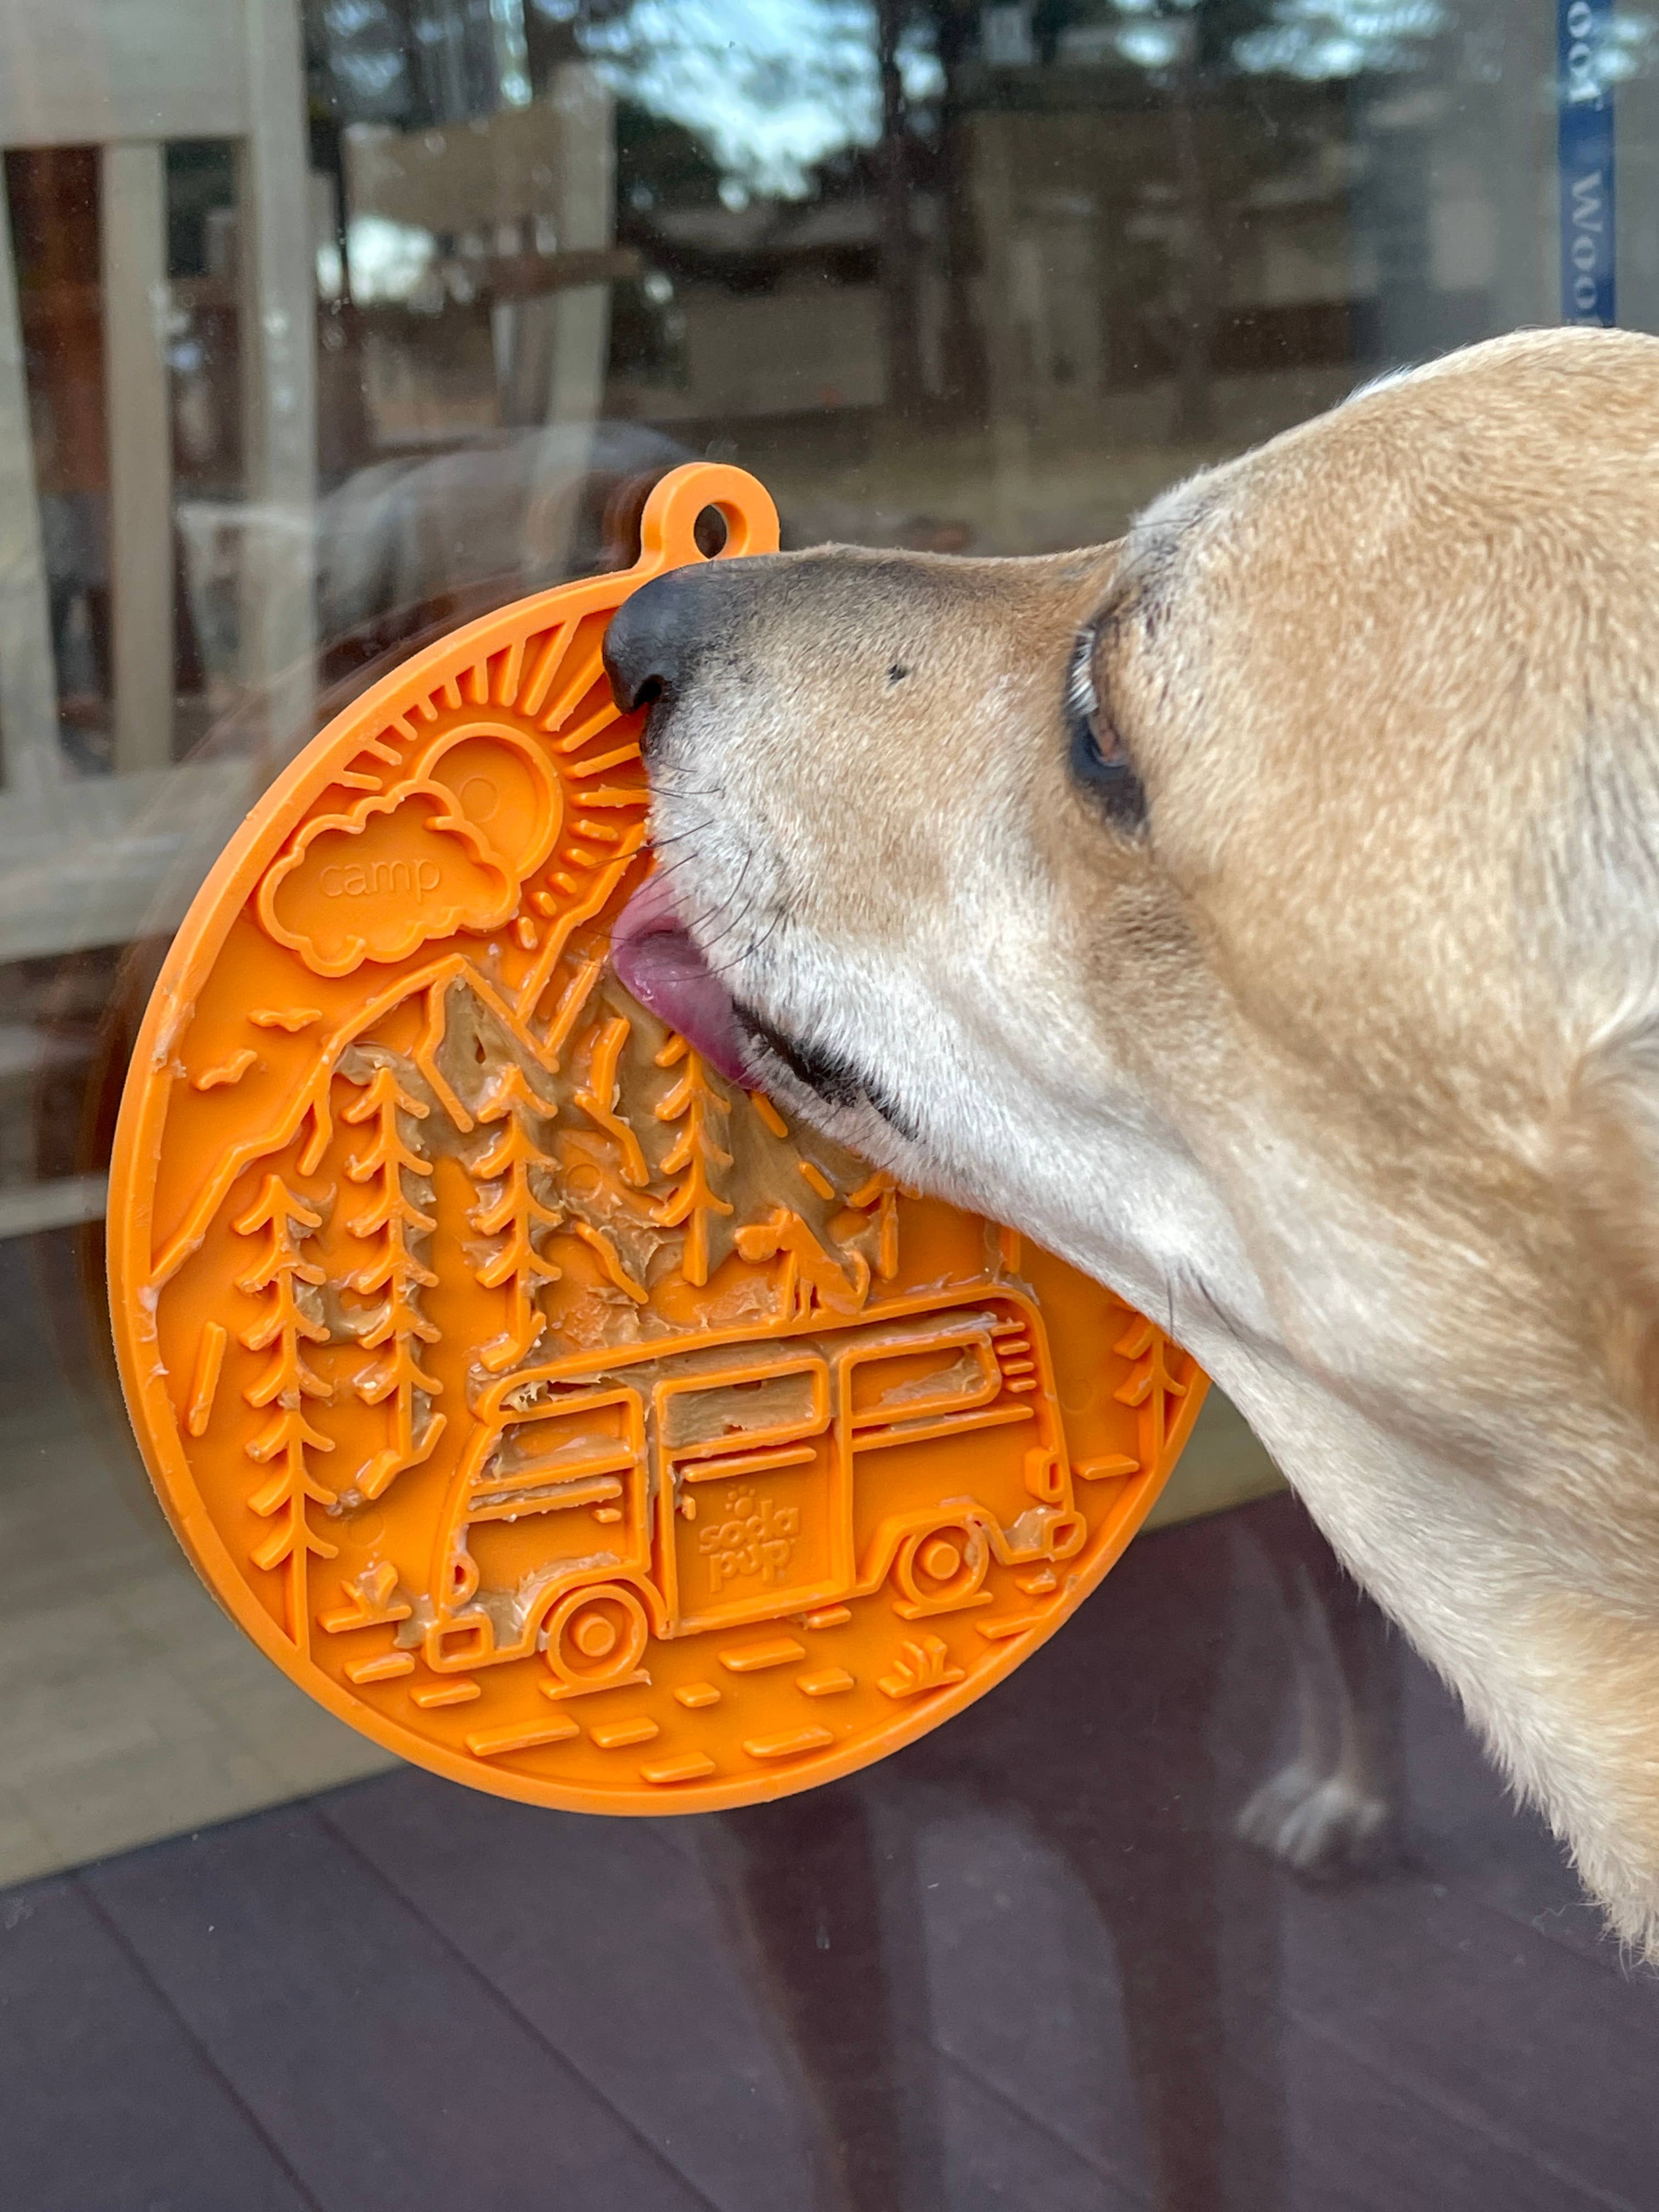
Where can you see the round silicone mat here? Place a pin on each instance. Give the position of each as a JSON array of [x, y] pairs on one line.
[[568, 1422]]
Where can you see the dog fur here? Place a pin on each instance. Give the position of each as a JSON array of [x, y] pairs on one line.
[[1340, 1055]]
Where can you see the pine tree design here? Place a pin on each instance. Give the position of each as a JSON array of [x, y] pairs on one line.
[[286, 1438], [1150, 1386], [397, 1379], [599, 1095], [694, 1105], [514, 1160]]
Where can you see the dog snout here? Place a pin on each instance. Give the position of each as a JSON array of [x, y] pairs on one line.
[[655, 637]]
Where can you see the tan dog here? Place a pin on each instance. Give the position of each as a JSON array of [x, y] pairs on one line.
[[1263, 912]]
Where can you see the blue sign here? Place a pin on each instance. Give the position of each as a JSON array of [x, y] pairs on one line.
[[1584, 103]]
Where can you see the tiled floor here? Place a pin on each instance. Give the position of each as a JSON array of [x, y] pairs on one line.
[[1025, 1964]]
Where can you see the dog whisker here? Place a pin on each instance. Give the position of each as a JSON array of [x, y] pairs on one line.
[[755, 945], [665, 786], [733, 921], [703, 930], [660, 845]]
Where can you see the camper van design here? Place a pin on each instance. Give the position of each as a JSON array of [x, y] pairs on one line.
[[491, 1351], [720, 1485]]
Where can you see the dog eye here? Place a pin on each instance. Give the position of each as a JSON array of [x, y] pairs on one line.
[[1099, 759], [1100, 745]]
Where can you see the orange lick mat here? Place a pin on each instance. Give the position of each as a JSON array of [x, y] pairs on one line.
[[568, 1422]]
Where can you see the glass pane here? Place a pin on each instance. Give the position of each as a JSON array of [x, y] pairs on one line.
[[325, 327]]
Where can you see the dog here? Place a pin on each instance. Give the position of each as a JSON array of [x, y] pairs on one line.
[[1262, 913]]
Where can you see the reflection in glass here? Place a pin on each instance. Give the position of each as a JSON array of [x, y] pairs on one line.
[[327, 324]]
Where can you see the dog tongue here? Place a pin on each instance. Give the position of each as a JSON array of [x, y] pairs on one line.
[[657, 961]]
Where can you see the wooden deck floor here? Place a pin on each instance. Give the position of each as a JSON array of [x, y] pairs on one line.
[[1025, 1965]]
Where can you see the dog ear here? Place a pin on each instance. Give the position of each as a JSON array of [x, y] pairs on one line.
[[1609, 1161]]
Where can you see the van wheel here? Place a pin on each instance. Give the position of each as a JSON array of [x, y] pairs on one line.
[[942, 1567], [596, 1637]]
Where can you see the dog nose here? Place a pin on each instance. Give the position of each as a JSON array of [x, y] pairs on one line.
[[654, 636]]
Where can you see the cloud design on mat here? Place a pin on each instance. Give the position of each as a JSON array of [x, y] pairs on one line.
[[401, 867]]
